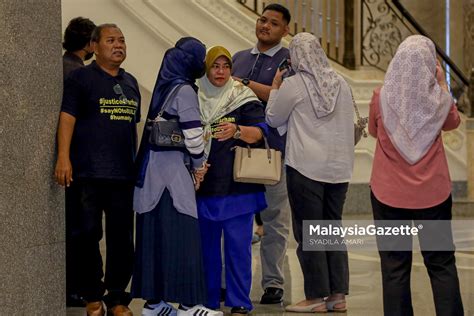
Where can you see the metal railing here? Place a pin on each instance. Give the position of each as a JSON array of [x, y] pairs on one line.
[[385, 24]]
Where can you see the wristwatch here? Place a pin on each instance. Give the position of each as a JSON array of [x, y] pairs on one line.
[[245, 81], [237, 133]]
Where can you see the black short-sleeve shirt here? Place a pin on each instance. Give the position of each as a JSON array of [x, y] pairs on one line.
[[106, 109], [219, 180]]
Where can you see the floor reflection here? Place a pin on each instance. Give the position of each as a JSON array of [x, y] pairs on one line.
[[365, 296]]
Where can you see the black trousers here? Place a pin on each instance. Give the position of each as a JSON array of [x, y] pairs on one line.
[[324, 272], [396, 265], [86, 201]]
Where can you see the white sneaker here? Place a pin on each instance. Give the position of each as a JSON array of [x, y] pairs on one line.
[[163, 309], [199, 310]]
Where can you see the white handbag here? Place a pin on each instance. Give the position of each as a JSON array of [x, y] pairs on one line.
[[257, 165]]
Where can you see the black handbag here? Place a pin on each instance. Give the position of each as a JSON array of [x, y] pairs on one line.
[[166, 133]]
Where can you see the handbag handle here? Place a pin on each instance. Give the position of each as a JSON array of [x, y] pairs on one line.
[[267, 147]]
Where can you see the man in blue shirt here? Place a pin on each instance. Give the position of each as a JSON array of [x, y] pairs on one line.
[[256, 68], [97, 141]]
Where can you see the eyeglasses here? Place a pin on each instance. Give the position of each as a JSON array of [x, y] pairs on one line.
[[118, 91]]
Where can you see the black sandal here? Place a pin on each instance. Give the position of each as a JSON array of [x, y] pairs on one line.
[[239, 310]]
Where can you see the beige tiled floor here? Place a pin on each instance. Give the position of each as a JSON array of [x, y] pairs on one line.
[[365, 285]]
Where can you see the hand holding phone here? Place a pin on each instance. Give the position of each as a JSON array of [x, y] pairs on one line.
[[440, 76], [284, 64]]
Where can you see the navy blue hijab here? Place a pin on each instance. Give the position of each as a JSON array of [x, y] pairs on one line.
[[182, 64]]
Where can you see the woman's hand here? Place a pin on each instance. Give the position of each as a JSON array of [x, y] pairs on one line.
[[278, 79], [440, 77], [248, 134], [226, 131], [198, 175]]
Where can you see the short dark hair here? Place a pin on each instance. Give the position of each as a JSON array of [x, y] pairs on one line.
[[95, 37], [279, 8], [78, 34]]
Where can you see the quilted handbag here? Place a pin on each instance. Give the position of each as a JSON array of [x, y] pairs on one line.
[[166, 133]]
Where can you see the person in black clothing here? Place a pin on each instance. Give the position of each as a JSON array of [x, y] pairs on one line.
[[77, 37], [97, 140]]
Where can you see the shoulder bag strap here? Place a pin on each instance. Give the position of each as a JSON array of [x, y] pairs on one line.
[[169, 97], [360, 121]]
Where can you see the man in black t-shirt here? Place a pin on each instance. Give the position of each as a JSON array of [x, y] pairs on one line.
[[97, 142]]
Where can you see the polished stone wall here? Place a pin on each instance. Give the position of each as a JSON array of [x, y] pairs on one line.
[[468, 49], [31, 205], [457, 34], [470, 157], [430, 14]]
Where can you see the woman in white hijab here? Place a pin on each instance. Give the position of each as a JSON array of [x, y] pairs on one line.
[[315, 105], [410, 177], [232, 116]]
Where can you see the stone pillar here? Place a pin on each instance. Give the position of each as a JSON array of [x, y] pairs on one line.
[[349, 55], [470, 157], [470, 142], [32, 257], [468, 37], [468, 6]]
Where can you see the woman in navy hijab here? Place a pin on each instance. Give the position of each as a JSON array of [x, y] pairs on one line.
[[168, 257]]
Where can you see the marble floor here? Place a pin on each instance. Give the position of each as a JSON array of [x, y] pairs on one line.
[[365, 284]]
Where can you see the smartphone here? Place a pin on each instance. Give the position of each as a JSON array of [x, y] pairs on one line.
[[284, 64]]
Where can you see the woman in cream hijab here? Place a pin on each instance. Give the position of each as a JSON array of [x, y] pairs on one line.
[[232, 116]]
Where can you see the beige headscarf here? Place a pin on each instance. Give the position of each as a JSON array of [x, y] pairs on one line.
[[321, 81], [413, 105], [216, 102]]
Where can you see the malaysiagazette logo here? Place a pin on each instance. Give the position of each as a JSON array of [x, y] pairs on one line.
[[369, 230]]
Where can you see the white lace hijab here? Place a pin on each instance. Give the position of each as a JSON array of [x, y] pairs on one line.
[[413, 105], [321, 81]]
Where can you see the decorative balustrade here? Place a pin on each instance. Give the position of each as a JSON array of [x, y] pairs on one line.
[[384, 25], [382, 31], [328, 20]]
